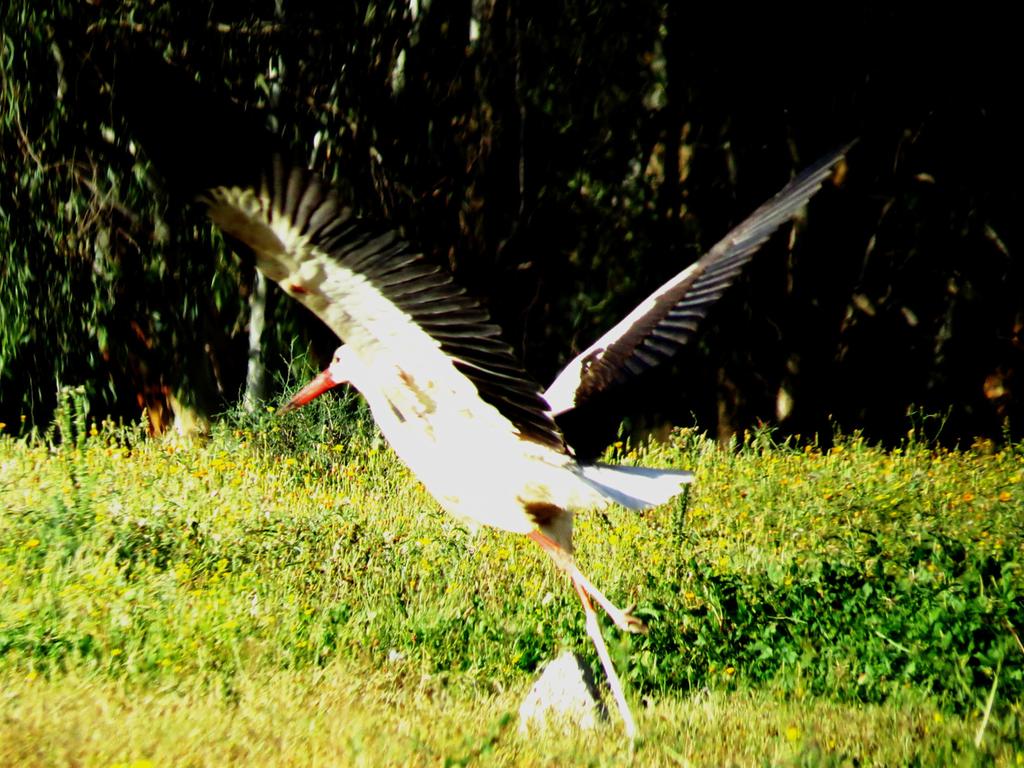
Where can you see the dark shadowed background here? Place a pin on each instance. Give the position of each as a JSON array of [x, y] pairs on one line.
[[564, 159]]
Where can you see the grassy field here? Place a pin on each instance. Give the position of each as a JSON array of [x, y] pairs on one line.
[[287, 594]]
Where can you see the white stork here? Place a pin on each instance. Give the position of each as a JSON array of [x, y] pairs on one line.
[[446, 392]]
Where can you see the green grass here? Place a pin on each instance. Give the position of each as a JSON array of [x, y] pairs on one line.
[[288, 594]]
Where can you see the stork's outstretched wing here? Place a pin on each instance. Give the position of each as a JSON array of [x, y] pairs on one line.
[[667, 319], [376, 293]]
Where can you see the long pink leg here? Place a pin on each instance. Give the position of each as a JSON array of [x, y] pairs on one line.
[[624, 620], [585, 589]]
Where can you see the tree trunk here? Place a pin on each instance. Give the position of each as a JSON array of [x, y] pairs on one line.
[[256, 370]]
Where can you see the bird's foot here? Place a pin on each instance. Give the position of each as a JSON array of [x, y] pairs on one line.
[[627, 622]]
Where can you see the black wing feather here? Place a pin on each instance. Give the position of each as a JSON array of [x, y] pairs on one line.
[[670, 323], [431, 298]]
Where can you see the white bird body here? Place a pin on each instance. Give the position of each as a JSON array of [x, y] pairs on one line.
[[472, 463]]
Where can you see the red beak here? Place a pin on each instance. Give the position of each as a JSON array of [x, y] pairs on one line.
[[322, 383]]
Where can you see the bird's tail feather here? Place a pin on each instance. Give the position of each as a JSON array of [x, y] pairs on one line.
[[636, 487]]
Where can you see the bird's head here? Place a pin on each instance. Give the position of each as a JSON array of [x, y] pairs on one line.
[[333, 375]]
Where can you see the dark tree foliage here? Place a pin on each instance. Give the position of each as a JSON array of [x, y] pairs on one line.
[[564, 159]]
